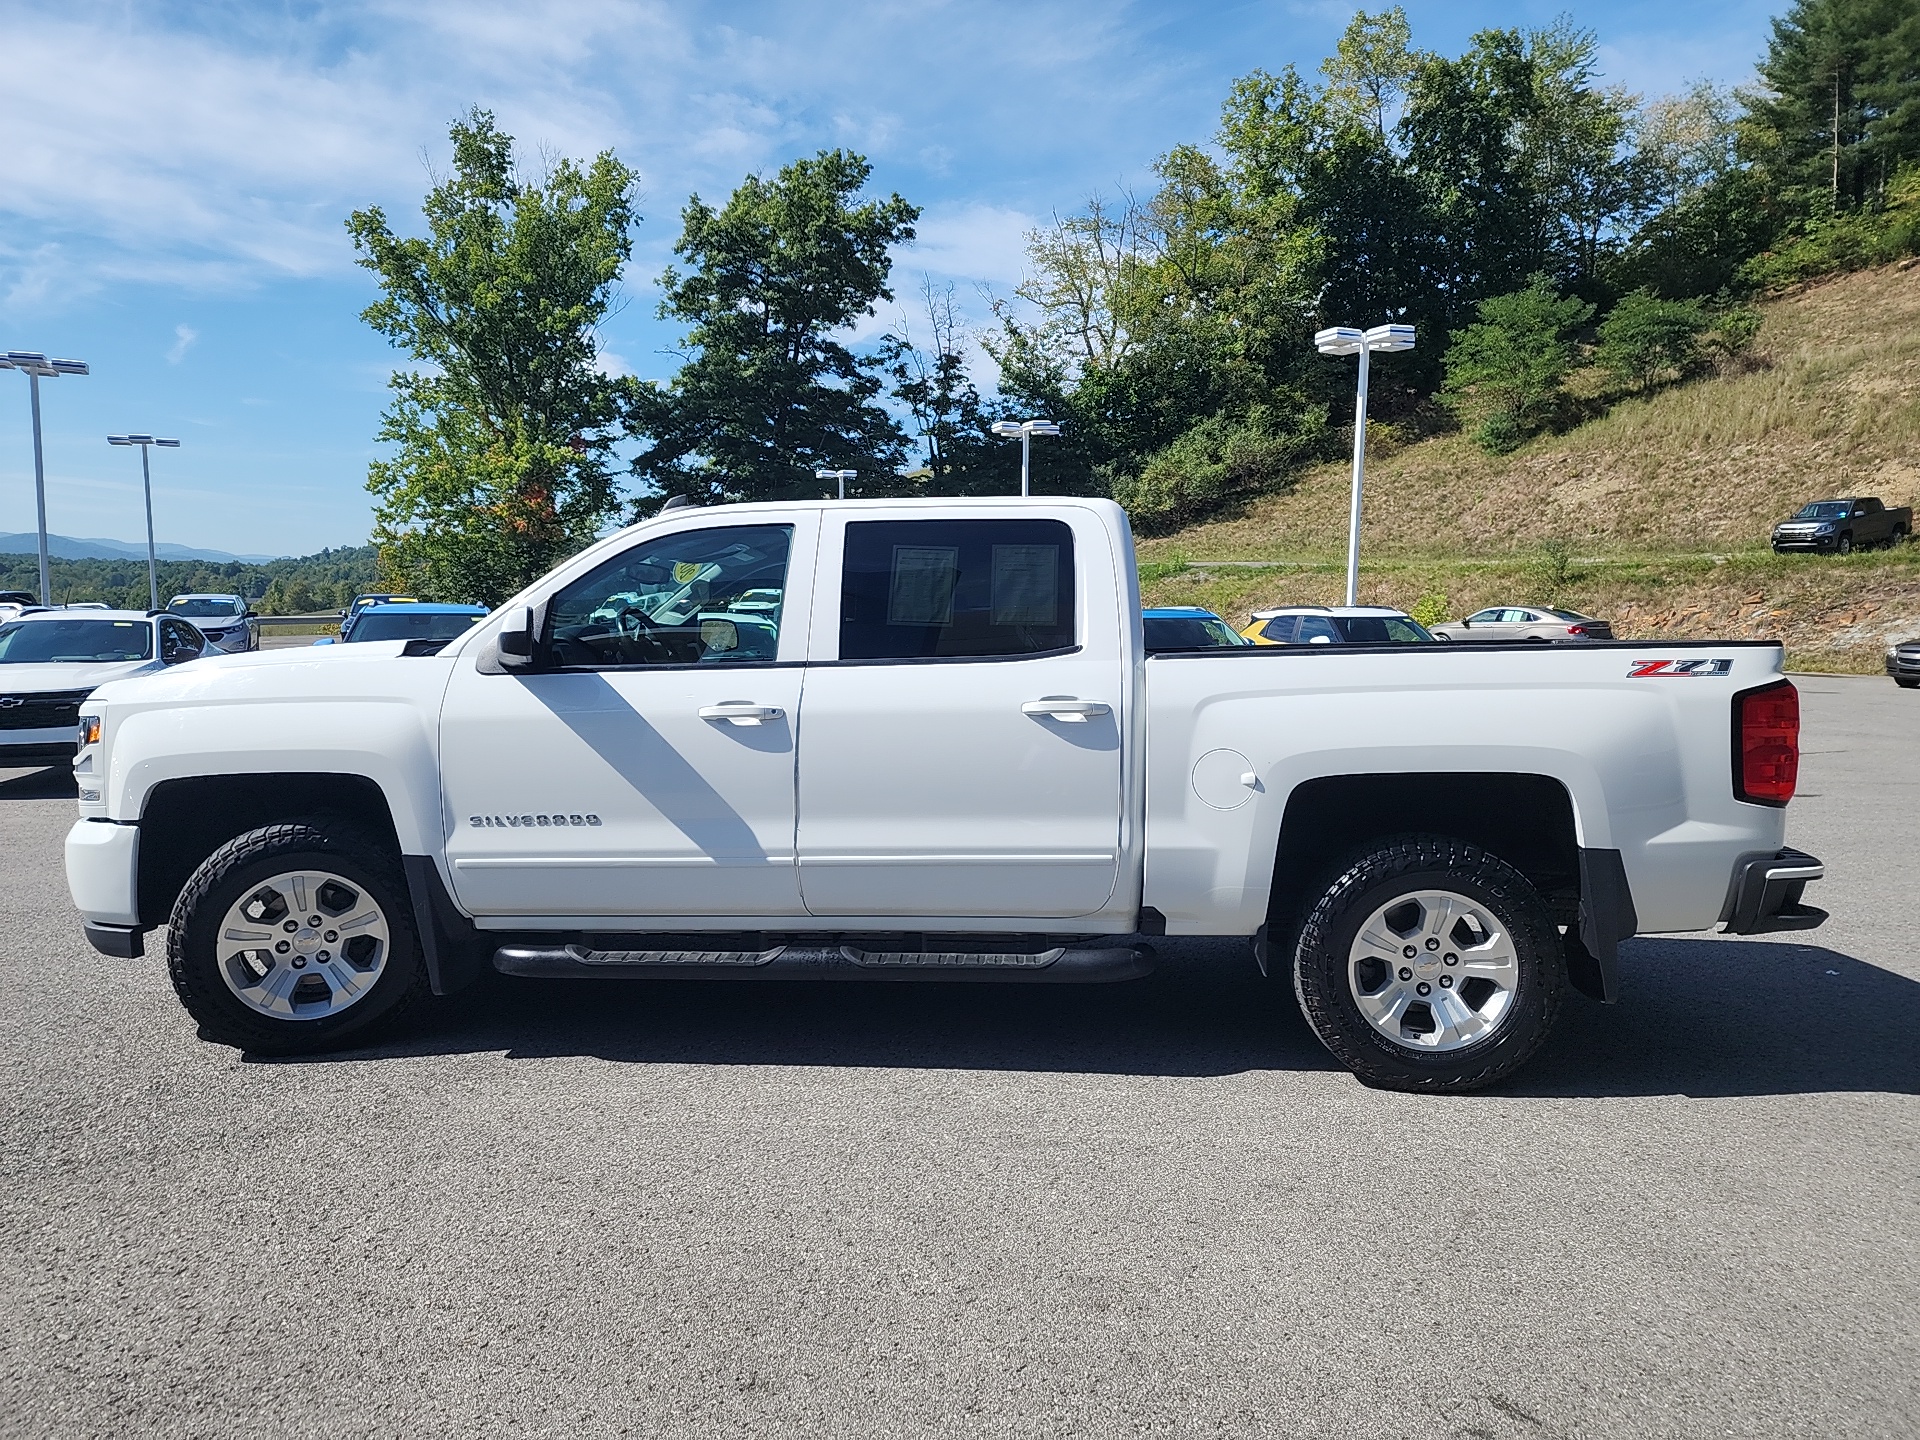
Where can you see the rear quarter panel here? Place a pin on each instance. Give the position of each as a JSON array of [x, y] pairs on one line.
[[1646, 761]]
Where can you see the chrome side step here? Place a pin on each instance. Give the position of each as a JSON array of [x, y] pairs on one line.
[[1060, 965]]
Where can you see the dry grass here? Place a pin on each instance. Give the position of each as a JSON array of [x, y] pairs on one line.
[[1835, 409], [1643, 496]]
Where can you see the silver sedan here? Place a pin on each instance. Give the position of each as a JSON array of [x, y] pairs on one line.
[[1524, 622]]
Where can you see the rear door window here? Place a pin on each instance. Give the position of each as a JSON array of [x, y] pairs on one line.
[[1281, 629], [951, 589], [1316, 630]]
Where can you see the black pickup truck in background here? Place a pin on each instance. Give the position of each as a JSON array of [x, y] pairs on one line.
[[1839, 526]]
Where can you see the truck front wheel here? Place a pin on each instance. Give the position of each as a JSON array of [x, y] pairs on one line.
[[1430, 964], [294, 938]]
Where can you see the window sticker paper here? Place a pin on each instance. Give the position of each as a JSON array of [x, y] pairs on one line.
[[923, 581], [1026, 584]]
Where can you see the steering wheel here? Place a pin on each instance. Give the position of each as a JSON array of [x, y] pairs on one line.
[[630, 622]]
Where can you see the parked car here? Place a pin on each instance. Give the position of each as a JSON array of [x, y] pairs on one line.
[[957, 764], [362, 602], [1335, 625], [1838, 526], [1186, 627], [52, 660], [1903, 663], [227, 621], [408, 620], [1524, 622], [15, 603]]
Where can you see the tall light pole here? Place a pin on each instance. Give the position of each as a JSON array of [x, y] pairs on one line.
[[34, 365], [1026, 430], [841, 475], [1344, 340], [146, 481]]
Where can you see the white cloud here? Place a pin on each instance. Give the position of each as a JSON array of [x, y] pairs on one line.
[[225, 154], [973, 242], [183, 338]]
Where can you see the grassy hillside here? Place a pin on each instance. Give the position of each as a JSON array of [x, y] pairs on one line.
[[1654, 515]]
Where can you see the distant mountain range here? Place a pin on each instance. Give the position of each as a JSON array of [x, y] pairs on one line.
[[66, 547]]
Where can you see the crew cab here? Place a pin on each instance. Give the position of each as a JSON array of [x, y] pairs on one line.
[[1841, 526], [922, 740]]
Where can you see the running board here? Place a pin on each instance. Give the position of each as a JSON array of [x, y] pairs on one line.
[[1058, 966]]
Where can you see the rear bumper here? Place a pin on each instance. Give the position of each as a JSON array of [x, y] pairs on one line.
[[1765, 894]]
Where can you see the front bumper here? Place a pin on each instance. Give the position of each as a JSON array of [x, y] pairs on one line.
[[1805, 542], [45, 743], [1904, 665], [103, 872], [1765, 894]]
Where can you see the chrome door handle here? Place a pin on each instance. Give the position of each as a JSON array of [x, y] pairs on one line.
[[740, 712], [1065, 707]]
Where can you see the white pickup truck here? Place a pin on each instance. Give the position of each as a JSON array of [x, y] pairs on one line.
[[921, 740]]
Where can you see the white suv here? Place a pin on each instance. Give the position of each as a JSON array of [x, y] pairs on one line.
[[226, 620]]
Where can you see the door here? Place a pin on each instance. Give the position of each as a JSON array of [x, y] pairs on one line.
[[963, 724], [644, 767]]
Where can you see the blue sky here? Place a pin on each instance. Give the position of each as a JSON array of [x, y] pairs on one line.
[[174, 177]]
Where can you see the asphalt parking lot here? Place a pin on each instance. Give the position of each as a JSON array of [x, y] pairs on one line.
[[1151, 1208]]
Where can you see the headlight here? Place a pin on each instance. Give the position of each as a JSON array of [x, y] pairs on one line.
[[89, 730]]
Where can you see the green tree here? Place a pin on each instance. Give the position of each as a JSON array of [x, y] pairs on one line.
[[1644, 337], [502, 432], [1838, 109], [932, 382], [1508, 370], [768, 392]]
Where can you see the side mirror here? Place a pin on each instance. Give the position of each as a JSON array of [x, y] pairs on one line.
[[719, 636], [516, 639]]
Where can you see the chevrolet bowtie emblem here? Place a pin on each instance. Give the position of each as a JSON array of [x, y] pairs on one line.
[[12, 702]]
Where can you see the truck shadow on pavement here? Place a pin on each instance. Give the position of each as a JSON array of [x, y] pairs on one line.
[[54, 783], [1698, 1017]]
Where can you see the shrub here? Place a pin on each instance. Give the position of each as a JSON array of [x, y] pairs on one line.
[[1645, 338], [1509, 370], [1430, 609], [1218, 461]]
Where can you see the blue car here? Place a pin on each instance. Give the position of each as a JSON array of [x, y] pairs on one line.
[[1187, 627], [413, 620]]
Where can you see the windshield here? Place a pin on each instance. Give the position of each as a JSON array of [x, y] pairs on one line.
[[1379, 630], [1188, 632], [1822, 510], [412, 626], [202, 609], [42, 642]]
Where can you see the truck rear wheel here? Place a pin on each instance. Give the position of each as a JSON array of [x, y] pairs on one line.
[[1430, 964], [295, 938]]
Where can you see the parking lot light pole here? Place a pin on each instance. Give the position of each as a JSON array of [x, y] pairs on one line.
[[34, 365], [841, 475], [1344, 340], [1026, 430], [146, 481]]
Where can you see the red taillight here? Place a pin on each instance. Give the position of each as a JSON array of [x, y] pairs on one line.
[[1766, 744], [1576, 629]]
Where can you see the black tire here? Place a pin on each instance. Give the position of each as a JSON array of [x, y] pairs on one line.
[[1844, 545], [1375, 878], [246, 863], [1906, 684]]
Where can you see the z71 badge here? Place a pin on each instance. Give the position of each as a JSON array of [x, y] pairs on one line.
[[1676, 669]]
